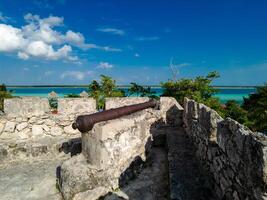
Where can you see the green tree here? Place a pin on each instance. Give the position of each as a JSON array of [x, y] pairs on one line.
[[4, 94], [141, 91], [236, 112], [106, 88], [199, 89], [256, 106]]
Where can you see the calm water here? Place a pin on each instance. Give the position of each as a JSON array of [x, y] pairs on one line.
[[224, 94]]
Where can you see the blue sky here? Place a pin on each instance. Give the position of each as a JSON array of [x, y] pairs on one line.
[[72, 42]]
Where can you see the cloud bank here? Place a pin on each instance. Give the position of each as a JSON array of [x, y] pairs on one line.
[[40, 39]]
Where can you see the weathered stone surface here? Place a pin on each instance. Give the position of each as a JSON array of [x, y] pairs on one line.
[[231, 153], [46, 128], [68, 106], [21, 126], [1, 128], [31, 181], [116, 102], [56, 131], [33, 106], [117, 141], [171, 111], [37, 130], [70, 130], [93, 194], [107, 151], [24, 134], [10, 127]]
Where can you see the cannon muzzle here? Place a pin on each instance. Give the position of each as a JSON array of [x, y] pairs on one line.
[[85, 123]]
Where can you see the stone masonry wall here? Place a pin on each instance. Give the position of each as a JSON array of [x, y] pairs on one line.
[[28, 128], [233, 156], [111, 147]]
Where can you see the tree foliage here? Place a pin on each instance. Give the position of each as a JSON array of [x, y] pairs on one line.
[[199, 89], [256, 106], [105, 88], [235, 111], [141, 91], [4, 93]]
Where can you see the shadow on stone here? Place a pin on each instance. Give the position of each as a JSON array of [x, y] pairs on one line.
[[73, 146]]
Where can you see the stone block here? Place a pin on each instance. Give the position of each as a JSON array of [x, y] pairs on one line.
[[37, 130], [10, 127], [21, 126], [68, 106], [26, 106], [116, 102]]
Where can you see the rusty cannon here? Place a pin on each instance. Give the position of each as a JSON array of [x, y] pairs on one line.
[[85, 123]]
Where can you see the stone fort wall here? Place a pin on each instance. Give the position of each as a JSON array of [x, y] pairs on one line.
[[29, 129], [234, 157]]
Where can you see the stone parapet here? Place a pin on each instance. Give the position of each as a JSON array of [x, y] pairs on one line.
[[234, 156], [26, 106]]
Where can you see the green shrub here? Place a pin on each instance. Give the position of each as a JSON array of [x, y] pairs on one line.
[[106, 88], [236, 112], [72, 96], [256, 106], [4, 94], [141, 91], [53, 102], [199, 89]]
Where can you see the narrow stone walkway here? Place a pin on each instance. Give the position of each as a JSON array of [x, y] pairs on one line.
[[186, 180]]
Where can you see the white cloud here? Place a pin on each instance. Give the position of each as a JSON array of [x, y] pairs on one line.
[[26, 69], [11, 38], [105, 65], [184, 64], [38, 38], [78, 75], [75, 38], [113, 31], [147, 38], [23, 55], [4, 18], [136, 55]]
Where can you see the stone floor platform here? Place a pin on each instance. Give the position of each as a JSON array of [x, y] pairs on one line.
[[30, 180]]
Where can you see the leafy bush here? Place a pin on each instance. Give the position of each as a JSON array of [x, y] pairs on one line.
[[256, 106], [199, 89], [4, 94], [72, 96], [236, 112], [106, 88], [141, 91], [53, 102]]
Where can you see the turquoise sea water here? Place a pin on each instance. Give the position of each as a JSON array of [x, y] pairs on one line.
[[224, 94]]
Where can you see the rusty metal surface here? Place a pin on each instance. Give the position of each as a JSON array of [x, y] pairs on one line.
[[85, 123]]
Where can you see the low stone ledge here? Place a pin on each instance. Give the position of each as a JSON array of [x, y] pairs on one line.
[[26, 106], [76, 106]]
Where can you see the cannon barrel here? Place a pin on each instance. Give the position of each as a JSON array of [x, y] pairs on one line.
[[85, 123]]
